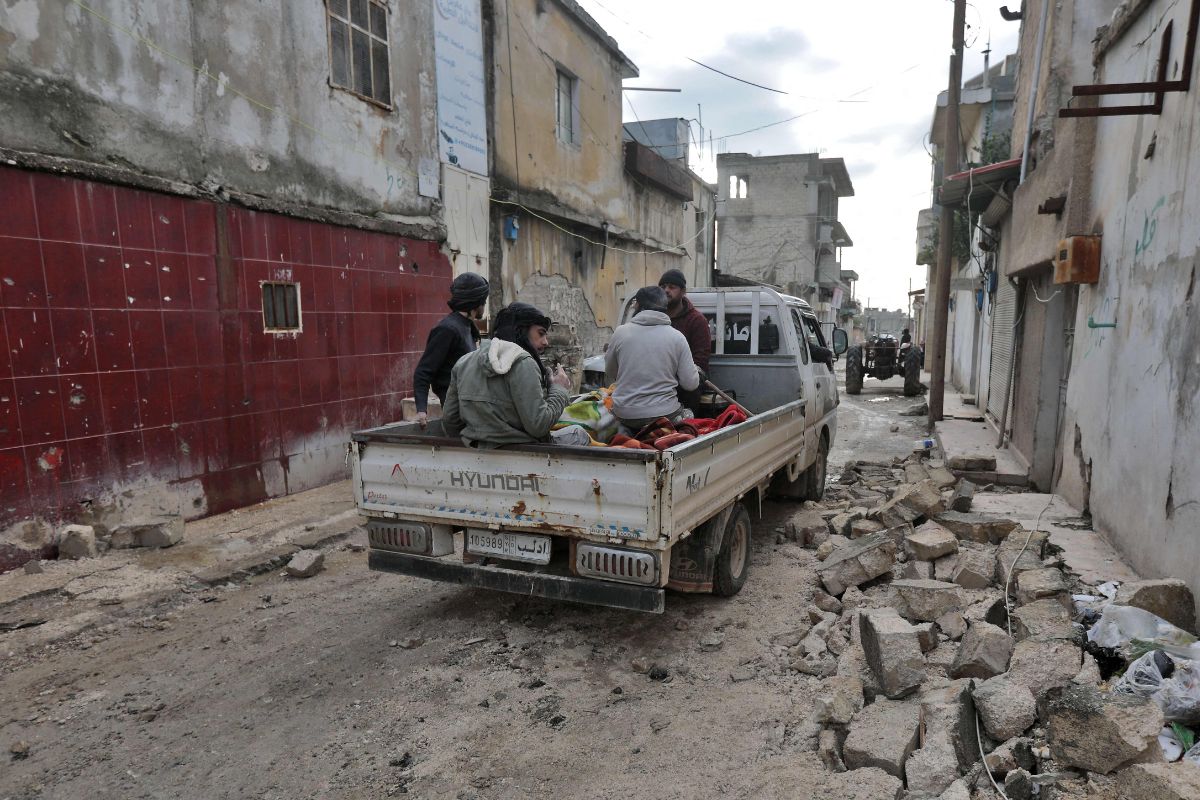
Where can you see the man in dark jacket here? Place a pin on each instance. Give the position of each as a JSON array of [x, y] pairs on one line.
[[692, 324], [450, 340]]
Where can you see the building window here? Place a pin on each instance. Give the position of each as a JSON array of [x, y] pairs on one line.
[[281, 306], [739, 187], [565, 104], [358, 49]]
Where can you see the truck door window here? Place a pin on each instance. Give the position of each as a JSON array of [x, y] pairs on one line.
[[737, 333], [800, 336], [815, 339]]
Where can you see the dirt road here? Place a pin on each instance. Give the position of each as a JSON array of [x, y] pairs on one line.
[[356, 684]]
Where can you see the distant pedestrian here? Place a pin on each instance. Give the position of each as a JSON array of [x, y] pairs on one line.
[[451, 339], [686, 319]]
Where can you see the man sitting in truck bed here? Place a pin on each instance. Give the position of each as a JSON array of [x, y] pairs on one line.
[[649, 361], [501, 394]]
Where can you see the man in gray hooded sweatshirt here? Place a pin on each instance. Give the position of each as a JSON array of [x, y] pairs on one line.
[[649, 360]]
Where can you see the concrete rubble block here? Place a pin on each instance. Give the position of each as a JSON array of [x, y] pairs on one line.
[[915, 473], [807, 529], [160, 532], [827, 603], [988, 608], [984, 653], [975, 567], [838, 699], [926, 600], [1007, 708], [829, 751], [819, 666], [305, 564], [923, 497], [25, 541], [952, 624], [1169, 598], [917, 570], [883, 735], [1018, 785], [1044, 618], [858, 562], [972, 463], [1089, 673], [932, 769], [943, 477], [939, 661], [964, 496], [1013, 754], [842, 522], [1045, 664], [948, 714], [1102, 732], [893, 652], [1162, 781], [863, 527], [893, 514], [930, 542], [944, 567], [77, 541], [1012, 560], [927, 636], [1041, 584], [976, 527], [861, 784], [852, 663], [956, 791]]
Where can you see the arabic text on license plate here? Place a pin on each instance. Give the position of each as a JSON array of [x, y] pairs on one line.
[[515, 546]]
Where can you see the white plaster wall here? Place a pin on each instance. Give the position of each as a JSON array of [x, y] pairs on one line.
[[1132, 418]]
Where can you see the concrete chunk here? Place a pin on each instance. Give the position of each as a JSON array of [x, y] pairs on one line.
[[952, 624], [943, 477], [864, 527], [932, 769], [930, 542], [1006, 708], [927, 636], [829, 751], [1040, 584], [162, 532], [807, 529], [77, 541], [984, 652], [861, 784], [1045, 664], [857, 563], [893, 652], [923, 497], [882, 735], [964, 495], [1102, 732], [948, 714], [306, 564], [975, 567], [1044, 618], [926, 600], [1169, 598], [1161, 781], [918, 570], [838, 699], [972, 463], [975, 527]]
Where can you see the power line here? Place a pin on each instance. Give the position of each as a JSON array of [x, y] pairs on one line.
[[735, 77]]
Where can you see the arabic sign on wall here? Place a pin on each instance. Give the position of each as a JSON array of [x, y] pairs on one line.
[[462, 112]]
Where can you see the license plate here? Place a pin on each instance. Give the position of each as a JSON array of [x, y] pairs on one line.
[[512, 546]]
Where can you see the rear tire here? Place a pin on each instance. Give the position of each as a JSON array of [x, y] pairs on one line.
[[912, 374], [815, 476], [733, 562], [854, 370]]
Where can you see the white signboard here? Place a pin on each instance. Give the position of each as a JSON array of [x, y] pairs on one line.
[[462, 109]]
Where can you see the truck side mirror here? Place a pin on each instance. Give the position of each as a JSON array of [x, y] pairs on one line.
[[840, 342]]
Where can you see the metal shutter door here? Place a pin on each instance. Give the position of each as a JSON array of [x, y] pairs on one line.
[[1002, 347]]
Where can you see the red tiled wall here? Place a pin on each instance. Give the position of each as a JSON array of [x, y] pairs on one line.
[[130, 350]]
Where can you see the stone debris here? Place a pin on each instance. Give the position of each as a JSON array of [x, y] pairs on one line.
[[857, 563], [77, 541], [1045, 664], [972, 463], [917, 570], [944, 567], [974, 567], [1042, 618], [882, 735], [976, 527], [838, 699], [948, 715], [34, 567], [1160, 781], [957, 791], [1018, 785], [1009, 756], [1100, 732], [861, 784], [1169, 598], [964, 495], [952, 625], [915, 472], [926, 600], [864, 527], [842, 522], [893, 652], [984, 653], [1006, 708], [161, 532], [1040, 584], [807, 529], [943, 477], [927, 636], [930, 542], [932, 768], [829, 752], [305, 564]]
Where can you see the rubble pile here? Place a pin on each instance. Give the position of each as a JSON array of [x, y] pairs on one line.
[[960, 660]]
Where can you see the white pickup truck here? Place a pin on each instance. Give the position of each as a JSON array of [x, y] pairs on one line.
[[611, 526]]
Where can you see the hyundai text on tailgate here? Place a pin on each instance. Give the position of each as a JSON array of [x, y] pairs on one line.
[[605, 525]]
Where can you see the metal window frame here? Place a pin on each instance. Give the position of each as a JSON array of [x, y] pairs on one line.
[[351, 27], [561, 72], [295, 287]]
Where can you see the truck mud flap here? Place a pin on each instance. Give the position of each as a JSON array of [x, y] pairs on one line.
[[536, 584]]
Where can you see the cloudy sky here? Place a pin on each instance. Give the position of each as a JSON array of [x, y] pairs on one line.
[[864, 73]]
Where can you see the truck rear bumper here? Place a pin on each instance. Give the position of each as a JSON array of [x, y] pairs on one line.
[[554, 587]]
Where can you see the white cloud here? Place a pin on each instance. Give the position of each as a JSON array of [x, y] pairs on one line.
[[866, 71]]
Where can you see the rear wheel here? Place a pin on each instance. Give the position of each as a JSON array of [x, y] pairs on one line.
[[733, 562], [912, 373], [814, 477], [854, 370]]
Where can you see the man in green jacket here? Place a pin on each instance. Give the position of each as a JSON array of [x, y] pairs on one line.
[[501, 394]]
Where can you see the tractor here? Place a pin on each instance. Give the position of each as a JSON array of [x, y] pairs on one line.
[[882, 357]]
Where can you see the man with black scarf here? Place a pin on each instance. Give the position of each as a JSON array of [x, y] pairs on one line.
[[451, 339], [501, 394]]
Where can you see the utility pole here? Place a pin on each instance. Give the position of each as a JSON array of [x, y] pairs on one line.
[[941, 279]]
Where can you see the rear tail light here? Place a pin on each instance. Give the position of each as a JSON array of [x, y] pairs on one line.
[[410, 537], [616, 564]]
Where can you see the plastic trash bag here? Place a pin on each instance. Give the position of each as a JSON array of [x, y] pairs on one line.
[[1193, 755], [1173, 684], [1121, 626], [1145, 676], [1171, 746]]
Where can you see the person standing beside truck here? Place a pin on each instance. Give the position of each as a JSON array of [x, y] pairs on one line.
[[686, 319], [501, 394], [649, 361], [451, 339]]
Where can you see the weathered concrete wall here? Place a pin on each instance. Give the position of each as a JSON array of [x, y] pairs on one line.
[[1133, 420], [771, 234], [73, 86]]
